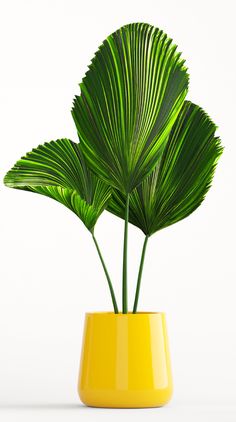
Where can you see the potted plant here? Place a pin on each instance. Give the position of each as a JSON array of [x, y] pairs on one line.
[[147, 155]]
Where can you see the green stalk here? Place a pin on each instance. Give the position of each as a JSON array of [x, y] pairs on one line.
[[140, 275], [107, 276], [125, 250]]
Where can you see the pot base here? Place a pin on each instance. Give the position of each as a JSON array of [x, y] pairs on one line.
[[129, 399]]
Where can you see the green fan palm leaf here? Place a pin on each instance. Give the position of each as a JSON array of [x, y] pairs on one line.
[[130, 98], [181, 178], [57, 169]]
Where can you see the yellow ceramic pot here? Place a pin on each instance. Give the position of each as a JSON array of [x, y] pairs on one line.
[[125, 360]]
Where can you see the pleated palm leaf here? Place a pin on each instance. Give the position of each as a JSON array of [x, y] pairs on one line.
[[180, 181], [57, 169], [130, 98]]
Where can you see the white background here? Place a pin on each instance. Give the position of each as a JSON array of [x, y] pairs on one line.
[[50, 273]]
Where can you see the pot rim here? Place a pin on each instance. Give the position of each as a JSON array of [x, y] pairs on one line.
[[120, 314]]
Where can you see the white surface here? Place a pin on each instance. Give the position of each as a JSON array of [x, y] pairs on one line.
[[77, 412], [50, 274]]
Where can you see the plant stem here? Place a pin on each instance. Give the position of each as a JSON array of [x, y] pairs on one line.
[[125, 250], [107, 276], [140, 275]]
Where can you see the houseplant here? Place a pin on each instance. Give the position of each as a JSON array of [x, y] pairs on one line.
[[147, 155]]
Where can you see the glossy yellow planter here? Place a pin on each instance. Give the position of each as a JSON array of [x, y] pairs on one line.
[[125, 361]]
